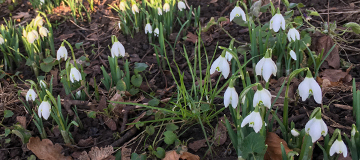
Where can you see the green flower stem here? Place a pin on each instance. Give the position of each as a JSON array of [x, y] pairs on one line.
[[72, 53]]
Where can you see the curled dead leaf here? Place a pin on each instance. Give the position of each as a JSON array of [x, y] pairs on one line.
[[46, 150], [173, 155], [103, 153], [274, 146]]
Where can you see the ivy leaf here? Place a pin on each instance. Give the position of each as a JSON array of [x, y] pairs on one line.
[[160, 152], [170, 137], [154, 102], [136, 80], [253, 145], [354, 26], [8, 113], [171, 127], [139, 67]]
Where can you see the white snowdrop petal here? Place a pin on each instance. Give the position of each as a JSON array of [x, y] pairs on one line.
[[214, 66], [304, 88], [234, 98], [259, 66], [227, 97], [267, 70], [293, 55], [225, 68], [317, 93]]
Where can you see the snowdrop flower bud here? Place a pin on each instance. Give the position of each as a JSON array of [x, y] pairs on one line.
[[117, 50], [24, 33], [159, 11], [294, 132], [254, 120], [293, 55], [338, 147], [262, 97], [166, 7], [44, 110], [231, 96], [316, 127], [266, 66], [293, 34], [43, 84], [148, 28], [221, 65], [156, 32], [78, 94], [61, 53], [134, 8], [31, 95], [309, 86], [38, 21], [353, 130], [32, 36], [228, 56], [237, 12], [43, 31], [2, 41], [181, 5], [122, 6], [75, 75], [276, 22]]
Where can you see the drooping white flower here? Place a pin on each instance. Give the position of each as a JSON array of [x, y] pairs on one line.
[[166, 7], [220, 65], [293, 34], [315, 128], [43, 31], [38, 21], [231, 96], [310, 86], [32, 36], [181, 5], [156, 32], [276, 22], [134, 8], [254, 120], [75, 75], [2, 41], [293, 55], [122, 6], [262, 97], [43, 84], [294, 132], [338, 147], [228, 56], [159, 11], [148, 28], [31, 95], [266, 67], [61, 53], [117, 50], [44, 110], [237, 12]]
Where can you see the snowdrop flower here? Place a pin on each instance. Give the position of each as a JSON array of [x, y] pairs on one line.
[[38, 21], [78, 94], [159, 11], [181, 5], [2, 41], [75, 75], [42, 1], [221, 65], [294, 132], [32, 36], [117, 50], [353, 130], [266, 66], [43, 84], [166, 7], [237, 12], [316, 127], [293, 34], [293, 55], [276, 22], [262, 97], [148, 28], [31, 95], [44, 110], [43, 31], [254, 120], [310, 86], [231, 96], [134, 8], [228, 56], [156, 32], [338, 147], [122, 6], [61, 53], [24, 33]]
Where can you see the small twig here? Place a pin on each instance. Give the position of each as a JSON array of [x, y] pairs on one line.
[[79, 26]]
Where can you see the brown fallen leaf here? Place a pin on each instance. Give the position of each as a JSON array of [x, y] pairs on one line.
[[96, 153], [335, 75], [196, 145], [46, 150], [110, 123], [22, 121], [126, 153], [274, 148], [213, 1], [189, 156], [22, 15], [191, 37], [172, 155], [220, 134], [326, 43], [85, 142]]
